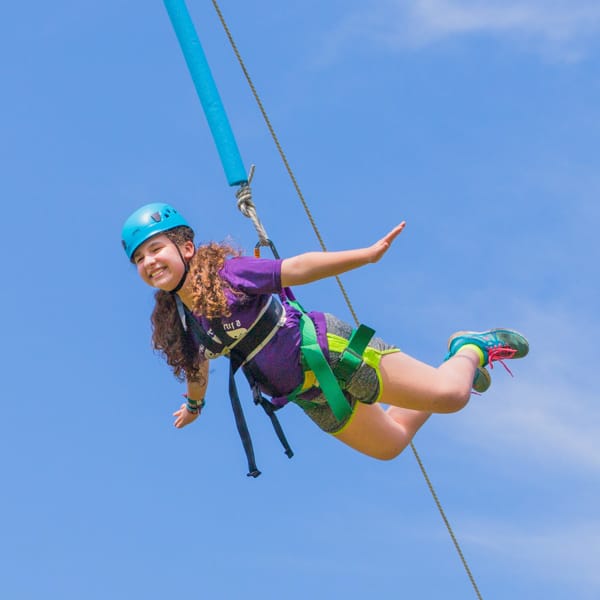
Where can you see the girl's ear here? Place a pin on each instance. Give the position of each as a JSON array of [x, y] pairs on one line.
[[188, 250]]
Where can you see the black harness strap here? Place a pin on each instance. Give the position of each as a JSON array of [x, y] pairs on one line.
[[226, 340], [253, 375], [243, 350], [194, 328], [240, 422], [241, 355]]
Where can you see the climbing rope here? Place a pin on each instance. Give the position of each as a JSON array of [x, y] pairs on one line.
[[248, 206], [282, 154], [447, 523]]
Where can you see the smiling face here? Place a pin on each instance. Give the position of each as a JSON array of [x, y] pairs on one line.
[[159, 262]]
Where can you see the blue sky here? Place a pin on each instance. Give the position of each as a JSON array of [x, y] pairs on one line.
[[477, 122]]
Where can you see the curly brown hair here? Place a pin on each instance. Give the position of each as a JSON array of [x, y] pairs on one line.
[[208, 289]]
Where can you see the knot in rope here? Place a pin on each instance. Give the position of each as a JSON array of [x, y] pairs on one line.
[[247, 208], [244, 200]]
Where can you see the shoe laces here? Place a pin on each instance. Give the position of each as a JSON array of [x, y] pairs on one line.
[[500, 354]]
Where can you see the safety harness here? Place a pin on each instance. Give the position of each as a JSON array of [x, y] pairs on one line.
[[331, 381], [242, 350]]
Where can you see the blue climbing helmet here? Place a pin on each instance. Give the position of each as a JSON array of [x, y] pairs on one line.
[[148, 221]]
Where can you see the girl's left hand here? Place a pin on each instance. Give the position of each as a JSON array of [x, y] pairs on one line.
[[378, 249], [184, 417]]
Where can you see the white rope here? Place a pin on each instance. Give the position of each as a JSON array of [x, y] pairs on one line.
[[247, 208]]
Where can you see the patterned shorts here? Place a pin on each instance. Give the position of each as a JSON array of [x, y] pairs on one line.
[[364, 385]]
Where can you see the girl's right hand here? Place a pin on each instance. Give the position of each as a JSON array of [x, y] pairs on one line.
[[378, 249], [184, 417]]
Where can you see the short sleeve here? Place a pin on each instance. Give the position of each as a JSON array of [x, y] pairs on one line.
[[253, 276]]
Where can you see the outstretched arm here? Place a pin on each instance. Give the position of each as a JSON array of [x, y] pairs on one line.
[[196, 390], [313, 266]]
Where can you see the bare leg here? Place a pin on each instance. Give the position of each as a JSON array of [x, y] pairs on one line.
[[380, 433], [414, 390], [409, 383]]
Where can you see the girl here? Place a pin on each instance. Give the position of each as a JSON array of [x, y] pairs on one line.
[[231, 298]]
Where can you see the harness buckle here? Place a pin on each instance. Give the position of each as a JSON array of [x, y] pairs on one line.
[[348, 362], [351, 356]]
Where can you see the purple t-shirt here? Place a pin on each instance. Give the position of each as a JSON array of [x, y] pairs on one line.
[[279, 361]]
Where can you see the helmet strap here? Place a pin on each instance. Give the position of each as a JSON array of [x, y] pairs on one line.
[[186, 270]]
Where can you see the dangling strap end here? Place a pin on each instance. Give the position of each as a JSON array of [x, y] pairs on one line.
[[255, 473], [270, 410], [256, 394]]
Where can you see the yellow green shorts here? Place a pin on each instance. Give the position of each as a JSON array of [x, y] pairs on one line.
[[364, 385]]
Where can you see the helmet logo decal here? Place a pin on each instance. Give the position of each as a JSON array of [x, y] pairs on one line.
[[156, 217]]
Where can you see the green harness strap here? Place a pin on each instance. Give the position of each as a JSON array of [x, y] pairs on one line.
[[352, 356], [330, 381]]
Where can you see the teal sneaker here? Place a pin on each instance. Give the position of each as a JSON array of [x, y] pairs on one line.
[[496, 345], [482, 380]]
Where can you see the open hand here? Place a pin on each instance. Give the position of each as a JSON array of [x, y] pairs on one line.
[[378, 249], [184, 417]]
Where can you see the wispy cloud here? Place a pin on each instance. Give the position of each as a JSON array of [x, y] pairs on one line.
[[563, 552], [562, 28]]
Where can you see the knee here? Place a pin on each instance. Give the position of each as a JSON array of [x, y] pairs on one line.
[[451, 398], [388, 456], [390, 450]]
